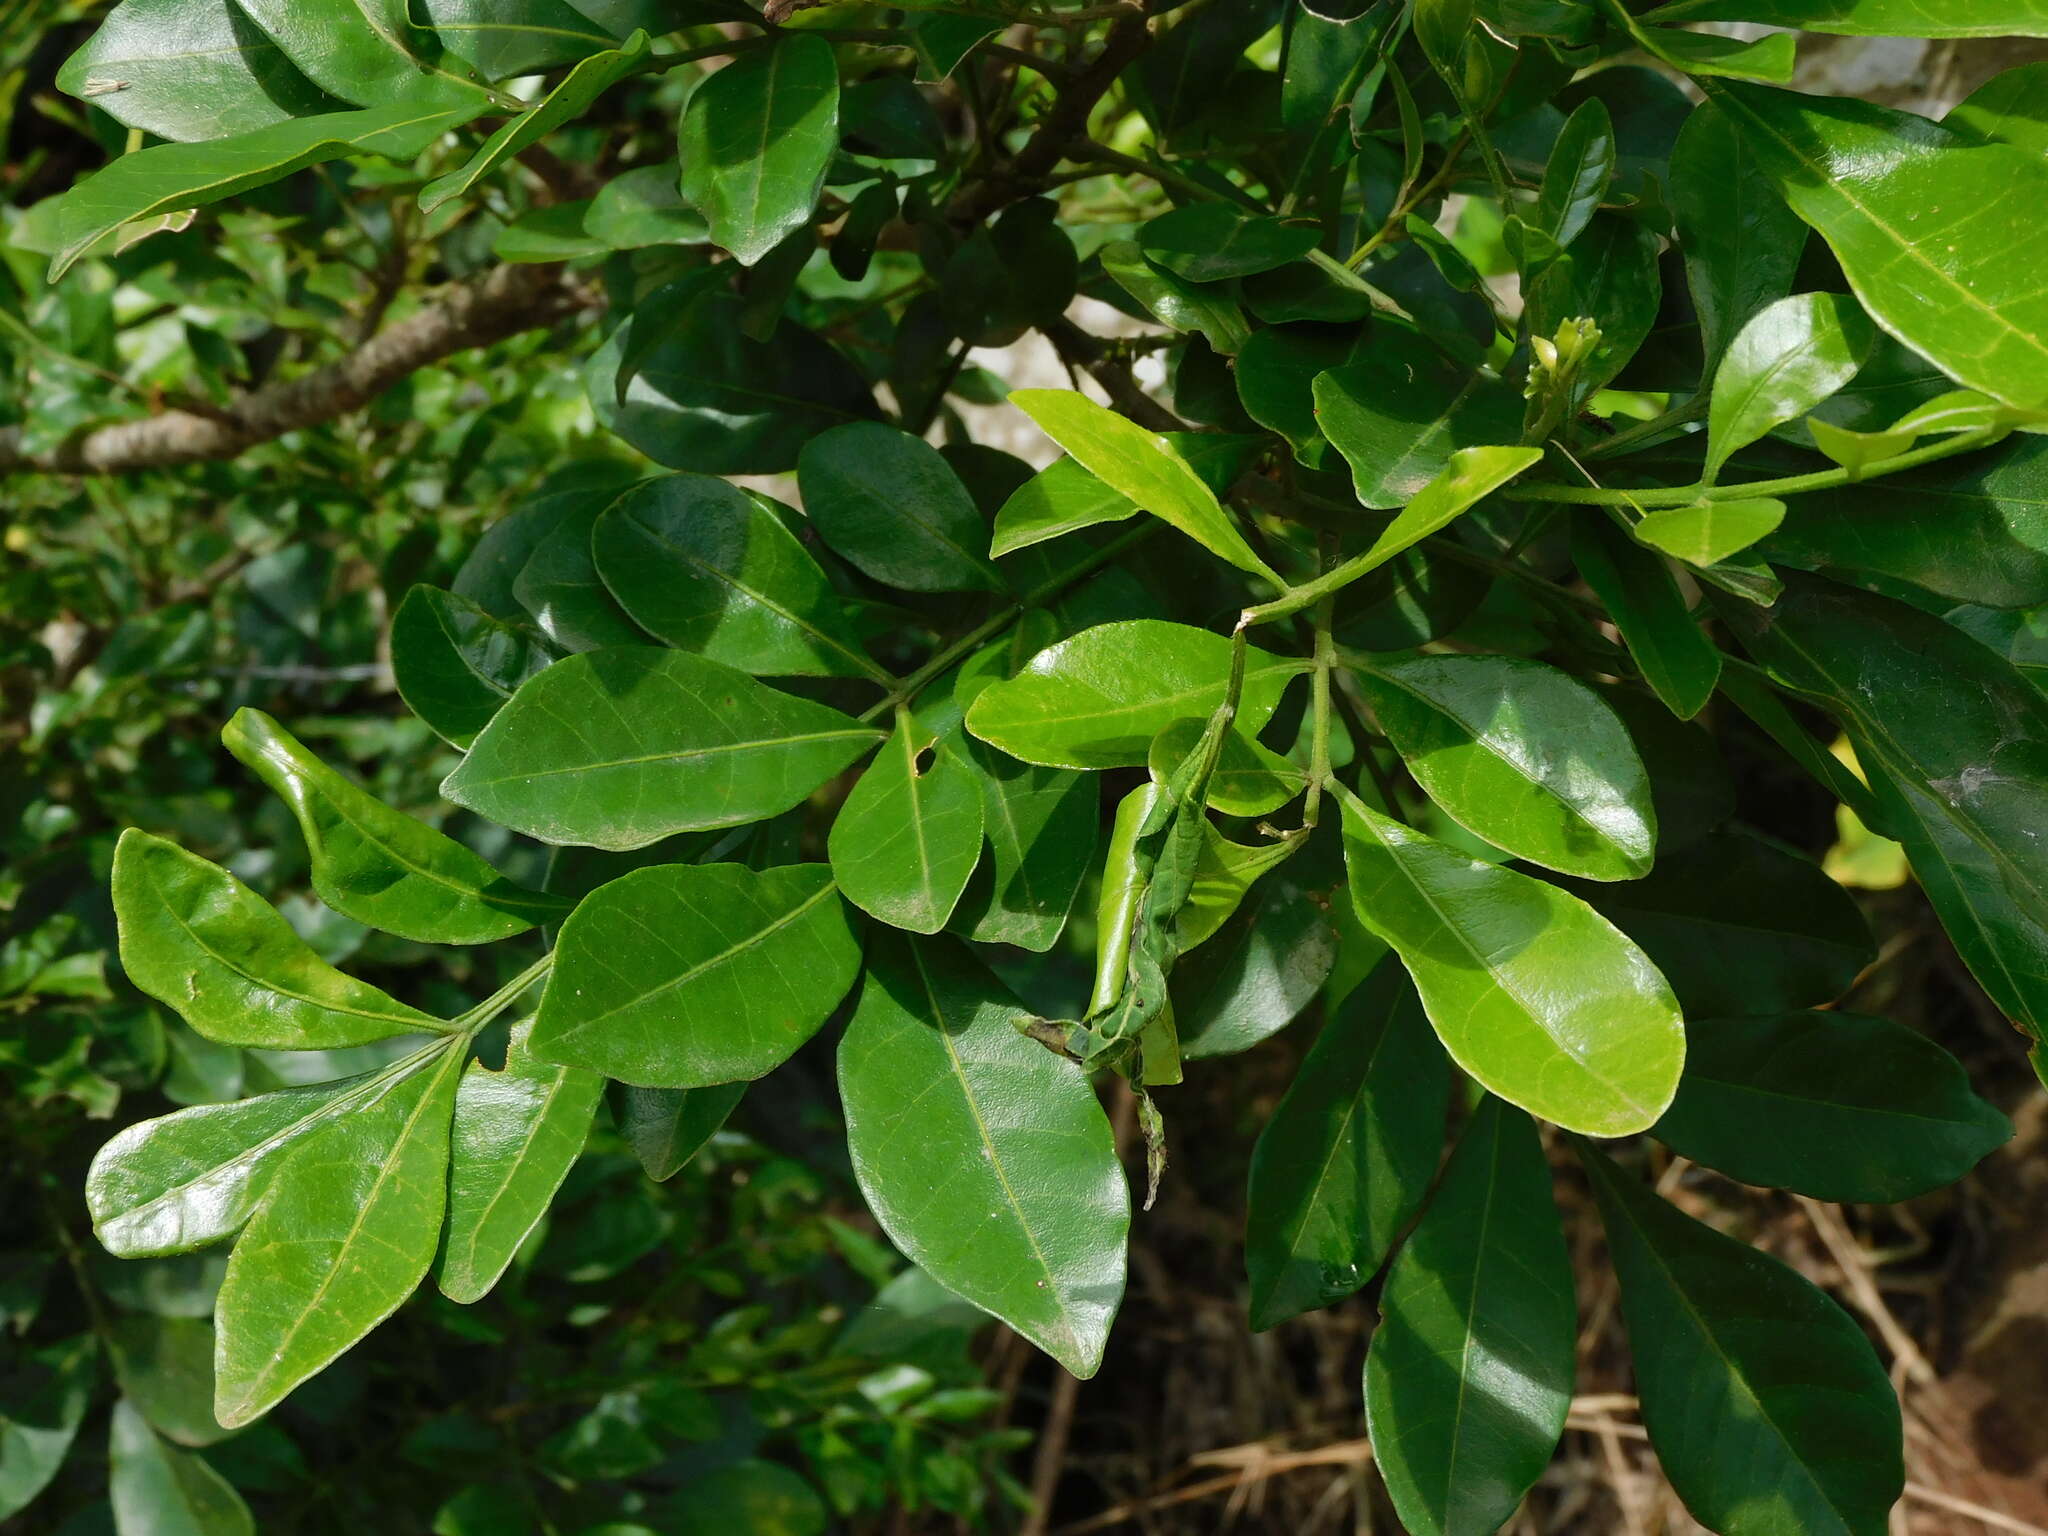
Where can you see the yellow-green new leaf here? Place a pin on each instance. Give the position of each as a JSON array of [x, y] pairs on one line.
[[1143, 466], [1532, 992], [342, 1237], [1471, 475], [1710, 531], [516, 1134], [380, 866], [198, 940]]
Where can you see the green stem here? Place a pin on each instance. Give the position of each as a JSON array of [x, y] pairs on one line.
[[1789, 485], [487, 1010], [1393, 228], [1628, 437], [1319, 702]]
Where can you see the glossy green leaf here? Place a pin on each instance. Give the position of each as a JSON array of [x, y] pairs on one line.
[[1174, 301], [49, 1392], [1259, 970], [198, 940], [907, 838], [1575, 178], [378, 865], [666, 1127], [455, 665], [1065, 497], [702, 565], [1470, 1372], [516, 1134], [1213, 242], [191, 1178], [1876, 18], [1531, 991], [1468, 477], [1349, 1153], [1953, 740], [985, 1157], [559, 585], [504, 38], [1741, 243], [1833, 1105], [1771, 57], [1790, 357], [1249, 780], [621, 748], [1931, 229], [1806, 1437], [1401, 410], [1225, 873], [576, 94], [1042, 825], [687, 975], [1708, 532], [1740, 926], [893, 506], [365, 51], [168, 178], [1143, 466], [187, 70], [1678, 661], [756, 140], [158, 1490], [1525, 756], [1098, 699], [344, 1233], [2006, 108]]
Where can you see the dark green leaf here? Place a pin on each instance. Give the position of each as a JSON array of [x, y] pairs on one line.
[[1470, 1372], [1213, 242], [1042, 825], [1264, 965], [1531, 991], [1575, 178], [1806, 1437], [984, 1156], [684, 976], [893, 506], [157, 1490], [503, 38], [364, 51], [48, 1393], [1610, 277], [455, 665], [643, 207], [560, 585], [666, 1127], [1741, 243], [757, 139], [1673, 653], [1833, 1105], [1174, 301], [1349, 1153], [165, 1368], [620, 748]]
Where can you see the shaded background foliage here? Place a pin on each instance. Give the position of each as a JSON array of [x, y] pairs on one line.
[[664, 1336]]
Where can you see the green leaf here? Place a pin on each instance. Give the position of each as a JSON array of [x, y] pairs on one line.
[[907, 838], [941, 39], [1710, 531], [1348, 1155], [378, 865], [1470, 1372], [1531, 991], [560, 586], [1575, 177], [1609, 276], [1740, 926], [1741, 243], [1806, 1438], [1525, 756], [757, 139], [1143, 466], [1771, 57], [1678, 661], [576, 94], [702, 565], [48, 1393], [455, 665], [985, 1157], [687, 975], [644, 207], [516, 1134], [1065, 497], [504, 38], [1402, 410], [1263, 965], [171, 177], [1932, 230], [342, 1236], [1468, 477], [1225, 873], [666, 1127], [1097, 700], [364, 51], [191, 1178], [165, 1368], [1876, 18], [1953, 740], [1249, 779], [893, 506], [1042, 825], [1213, 242], [1857, 451], [1788, 359], [621, 748], [2004, 110], [159, 1491], [186, 70], [1833, 1105], [1276, 374], [198, 940], [1173, 301]]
